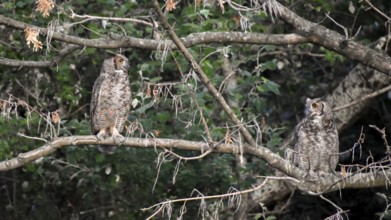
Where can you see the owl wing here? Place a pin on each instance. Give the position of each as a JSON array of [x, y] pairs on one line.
[[95, 101], [300, 146], [295, 144]]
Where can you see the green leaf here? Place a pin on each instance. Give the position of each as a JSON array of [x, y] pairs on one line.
[[271, 217], [155, 79], [99, 158], [273, 87], [143, 108], [163, 117], [205, 12], [7, 5], [269, 65], [257, 216], [20, 4]]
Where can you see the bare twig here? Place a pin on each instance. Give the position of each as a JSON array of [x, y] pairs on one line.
[[14, 102], [345, 30], [235, 193], [189, 158], [377, 10], [90, 17], [192, 95], [369, 96], [340, 211], [32, 138], [383, 135]]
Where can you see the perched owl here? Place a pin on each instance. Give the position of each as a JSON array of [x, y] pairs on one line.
[[110, 102], [316, 144]]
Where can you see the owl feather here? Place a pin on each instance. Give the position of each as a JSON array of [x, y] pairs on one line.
[[110, 102], [316, 144]]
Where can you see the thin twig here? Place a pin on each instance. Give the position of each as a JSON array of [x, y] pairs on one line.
[[345, 30], [205, 197], [192, 95], [32, 138], [339, 210], [383, 135], [377, 10], [188, 158], [371, 95], [74, 15]]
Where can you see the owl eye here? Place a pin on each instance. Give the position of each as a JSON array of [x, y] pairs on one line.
[[121, 60], [315, 105]]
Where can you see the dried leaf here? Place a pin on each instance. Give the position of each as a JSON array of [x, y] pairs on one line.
[[156, 133], [55, 117], [170, 5], [32, 38], [45, 6], [343, 171]]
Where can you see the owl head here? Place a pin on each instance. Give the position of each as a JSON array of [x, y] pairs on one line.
[[121, 63], [316, 107]]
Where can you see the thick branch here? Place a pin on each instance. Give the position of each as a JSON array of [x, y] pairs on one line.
[[309, 33], [114, 41], [363, 180], [319, 34]]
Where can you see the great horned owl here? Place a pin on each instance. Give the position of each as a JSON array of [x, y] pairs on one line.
[[110, 102], [316, 144]]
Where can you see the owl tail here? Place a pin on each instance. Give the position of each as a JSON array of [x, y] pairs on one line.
[[107, 149]]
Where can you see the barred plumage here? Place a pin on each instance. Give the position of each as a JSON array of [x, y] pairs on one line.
[[111, 99], [316, 144]]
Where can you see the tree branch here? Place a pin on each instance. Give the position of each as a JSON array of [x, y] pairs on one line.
[[364, 98], [326, 184], [114, 41], [308, 33], [319, 34], [48, 63]]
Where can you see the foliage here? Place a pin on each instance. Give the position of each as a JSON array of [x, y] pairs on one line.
[[271, 82]]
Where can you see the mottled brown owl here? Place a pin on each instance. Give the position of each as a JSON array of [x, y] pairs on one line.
[[110, 102], [316, 144]]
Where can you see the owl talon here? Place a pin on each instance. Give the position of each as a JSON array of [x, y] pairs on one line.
[[101, 135], [118, 138]]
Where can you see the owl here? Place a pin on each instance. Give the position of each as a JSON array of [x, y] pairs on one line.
[[110, 102], [316, 144]]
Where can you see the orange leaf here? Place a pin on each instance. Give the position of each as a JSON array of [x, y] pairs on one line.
[[55, 117], [170, 5]]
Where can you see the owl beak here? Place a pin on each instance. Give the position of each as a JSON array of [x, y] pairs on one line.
[[126, 67]]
